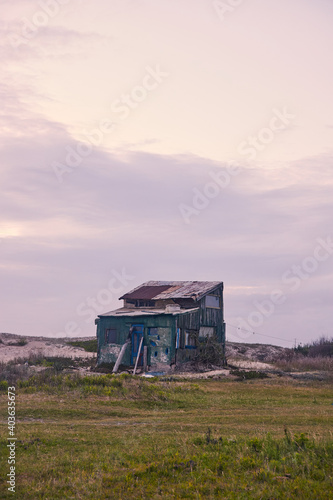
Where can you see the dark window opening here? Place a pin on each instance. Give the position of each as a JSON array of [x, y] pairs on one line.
[[111, 336], [152, 331], [190, 340], [213, 301], [144, 303]]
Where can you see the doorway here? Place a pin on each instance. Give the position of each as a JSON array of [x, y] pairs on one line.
[[137, 334]]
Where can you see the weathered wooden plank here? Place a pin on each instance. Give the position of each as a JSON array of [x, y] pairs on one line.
[[121, 355]]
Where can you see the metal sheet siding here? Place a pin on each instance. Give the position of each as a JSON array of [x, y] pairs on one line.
[[108, 352]]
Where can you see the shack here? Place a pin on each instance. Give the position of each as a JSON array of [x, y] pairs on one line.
[[163, 323]]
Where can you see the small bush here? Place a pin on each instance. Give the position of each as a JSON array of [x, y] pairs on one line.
[[3, 385], [210, 352], [12, 372], [21, 342]]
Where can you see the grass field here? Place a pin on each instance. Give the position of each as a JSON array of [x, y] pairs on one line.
[[121, 437]]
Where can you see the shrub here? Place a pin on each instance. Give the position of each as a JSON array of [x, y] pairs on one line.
[[3, 385], [210, 352], [12, 372], [20, 342]]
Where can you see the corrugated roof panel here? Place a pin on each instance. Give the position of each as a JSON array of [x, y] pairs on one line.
[[123, 311], [159, 290], [145, 292], [189, 289]]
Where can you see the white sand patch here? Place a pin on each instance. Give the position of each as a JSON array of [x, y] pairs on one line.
[[39, 346], [250, 365]]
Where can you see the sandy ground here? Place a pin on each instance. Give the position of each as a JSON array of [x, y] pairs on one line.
[[225, 372], [242, 356], [250, 365], [40, 346], [254, 352]]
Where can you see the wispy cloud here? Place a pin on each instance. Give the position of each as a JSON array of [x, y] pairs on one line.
[[119, 207]]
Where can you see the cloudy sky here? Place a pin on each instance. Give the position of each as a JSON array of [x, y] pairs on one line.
[[167, 140]]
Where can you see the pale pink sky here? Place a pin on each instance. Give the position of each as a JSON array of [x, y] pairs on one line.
[[117, 119]]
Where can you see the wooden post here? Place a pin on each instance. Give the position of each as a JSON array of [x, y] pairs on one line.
[[145, 358], [121, 355], [138, 355]]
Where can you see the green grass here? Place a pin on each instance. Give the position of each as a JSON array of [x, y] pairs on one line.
[[248, 374], [124, 437], [88, 345]]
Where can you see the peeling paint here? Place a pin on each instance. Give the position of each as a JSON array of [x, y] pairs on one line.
[[161, 356], [109, 353]]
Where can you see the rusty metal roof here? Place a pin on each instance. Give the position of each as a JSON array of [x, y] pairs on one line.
[[123, 311], [145, 292], [162, 290]]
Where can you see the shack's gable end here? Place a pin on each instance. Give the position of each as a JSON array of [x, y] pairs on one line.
[[212, 308]]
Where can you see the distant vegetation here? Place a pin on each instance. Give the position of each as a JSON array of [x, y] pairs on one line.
[[315, 356], [321, 347], [88, 345], [303, 363], [20, 342]]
